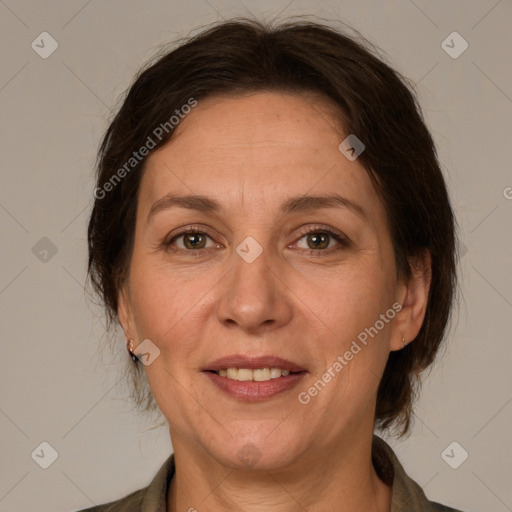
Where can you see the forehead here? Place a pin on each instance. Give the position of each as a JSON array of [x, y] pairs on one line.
[[260, 147]]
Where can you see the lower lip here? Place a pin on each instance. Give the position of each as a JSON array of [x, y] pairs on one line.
[[253, 391]]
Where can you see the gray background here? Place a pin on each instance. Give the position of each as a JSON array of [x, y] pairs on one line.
[[56, 386]]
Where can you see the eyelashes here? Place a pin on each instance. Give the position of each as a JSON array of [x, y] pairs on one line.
[[182, 234], [341, 240], [201, 234]]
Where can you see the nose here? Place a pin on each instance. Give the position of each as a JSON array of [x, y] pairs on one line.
[[255, 296]]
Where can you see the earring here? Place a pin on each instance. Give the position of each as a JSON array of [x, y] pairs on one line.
[[129, 346], [403, 343]]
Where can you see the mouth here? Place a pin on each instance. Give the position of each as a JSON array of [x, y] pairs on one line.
[[254, 379]]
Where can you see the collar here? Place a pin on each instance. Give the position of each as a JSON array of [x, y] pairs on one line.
[[406, 493]]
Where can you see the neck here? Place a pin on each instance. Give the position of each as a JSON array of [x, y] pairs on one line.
[[343, 478]]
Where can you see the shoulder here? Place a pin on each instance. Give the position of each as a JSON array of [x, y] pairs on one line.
[[150, 498], [130, 503], [438, 507], [406, 493]]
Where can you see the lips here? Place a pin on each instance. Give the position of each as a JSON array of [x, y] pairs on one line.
[[252, 387], [252, 363]]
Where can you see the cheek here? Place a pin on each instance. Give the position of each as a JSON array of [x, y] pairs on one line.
[[349, 299], [166, 309], [350, 304], [355, 351]]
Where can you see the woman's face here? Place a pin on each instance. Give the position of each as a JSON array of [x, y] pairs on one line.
[[263, 279]]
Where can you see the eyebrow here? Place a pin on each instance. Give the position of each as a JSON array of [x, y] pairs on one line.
[[298, 204]]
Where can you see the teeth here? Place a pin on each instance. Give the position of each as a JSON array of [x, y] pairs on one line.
[[259, 375], [232, 373], [275, 373], [244, 374]]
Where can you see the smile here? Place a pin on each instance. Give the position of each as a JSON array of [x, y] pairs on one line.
[[246, 387], [258, 375]]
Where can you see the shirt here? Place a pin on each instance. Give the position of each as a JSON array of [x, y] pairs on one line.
[[407, 495]]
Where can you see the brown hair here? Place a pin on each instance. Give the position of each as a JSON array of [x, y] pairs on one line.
[[378, 105]]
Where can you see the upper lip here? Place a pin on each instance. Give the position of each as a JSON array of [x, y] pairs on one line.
[[252, 363]]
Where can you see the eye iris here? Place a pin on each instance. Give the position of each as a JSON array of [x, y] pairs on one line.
[[320, 240], [195, 244]]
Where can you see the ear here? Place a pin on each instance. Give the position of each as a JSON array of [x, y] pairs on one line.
[[413, 296], [124, 312]]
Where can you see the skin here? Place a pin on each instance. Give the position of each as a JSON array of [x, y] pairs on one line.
[[251, 153]]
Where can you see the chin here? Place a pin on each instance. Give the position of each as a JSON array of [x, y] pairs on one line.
[[265, 450]]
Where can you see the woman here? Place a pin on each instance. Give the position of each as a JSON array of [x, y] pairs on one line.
[[272, 230]]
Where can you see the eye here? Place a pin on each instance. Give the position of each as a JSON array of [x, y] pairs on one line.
[[319, 241], [192, 240], [322, 240]]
